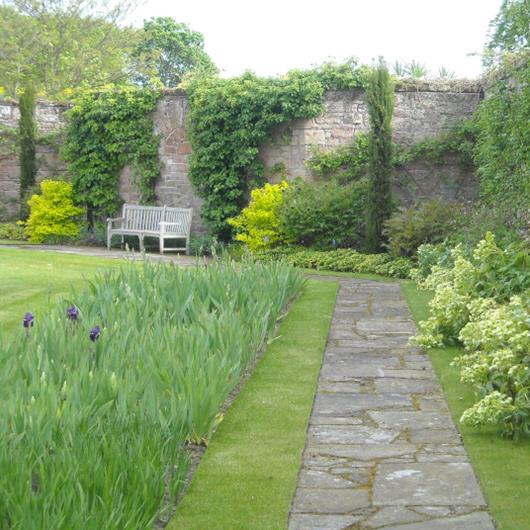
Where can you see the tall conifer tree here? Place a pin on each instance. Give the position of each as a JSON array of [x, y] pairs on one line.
[[380, 100], [27, 138]]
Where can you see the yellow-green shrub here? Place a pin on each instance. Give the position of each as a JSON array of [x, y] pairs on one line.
[[258, 225], [53, 213]]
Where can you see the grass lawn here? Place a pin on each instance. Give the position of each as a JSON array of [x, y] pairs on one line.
[[248, 474], [502, 465], [30, 281]]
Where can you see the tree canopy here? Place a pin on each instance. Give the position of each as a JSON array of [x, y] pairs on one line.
[[168, 50], [60, 45]]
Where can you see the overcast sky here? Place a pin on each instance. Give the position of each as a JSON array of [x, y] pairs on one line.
[[272, 36]]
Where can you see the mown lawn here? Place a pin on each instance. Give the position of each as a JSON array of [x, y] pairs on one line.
[[31, 280], [502, 465], [248, 474]]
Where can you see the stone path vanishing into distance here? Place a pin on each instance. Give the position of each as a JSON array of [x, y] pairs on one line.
[[382, 450]]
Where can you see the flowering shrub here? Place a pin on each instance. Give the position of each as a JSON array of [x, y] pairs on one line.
[[490, 272], [258, 225], [483, 303], [497, 364], [52, 214]]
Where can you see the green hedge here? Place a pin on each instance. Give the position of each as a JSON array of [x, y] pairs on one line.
[[341, 260]]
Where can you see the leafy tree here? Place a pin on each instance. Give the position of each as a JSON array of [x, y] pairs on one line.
[[380, 99], [510, 30], [27, 134], [61, 44], [169, 50]]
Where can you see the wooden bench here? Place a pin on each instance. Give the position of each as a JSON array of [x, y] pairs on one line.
[[153, 221]]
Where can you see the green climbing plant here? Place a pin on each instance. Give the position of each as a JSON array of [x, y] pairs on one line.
[[230, 118], [106, 131]]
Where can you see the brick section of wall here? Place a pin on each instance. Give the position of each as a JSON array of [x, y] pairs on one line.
[[419, 114]]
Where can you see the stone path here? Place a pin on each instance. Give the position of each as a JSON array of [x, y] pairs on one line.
[[115, 253], [382, 450]]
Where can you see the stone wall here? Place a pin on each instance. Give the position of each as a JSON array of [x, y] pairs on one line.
[[418, 115], [49, 119], [420, 112]]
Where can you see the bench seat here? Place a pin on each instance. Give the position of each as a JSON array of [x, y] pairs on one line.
[[162, 222]]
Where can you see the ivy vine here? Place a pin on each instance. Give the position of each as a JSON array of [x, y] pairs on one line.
[[106, 131], [230, 118], [502, 152], [349, 162]]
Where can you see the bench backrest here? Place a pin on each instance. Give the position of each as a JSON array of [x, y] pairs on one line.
[[148, 218]]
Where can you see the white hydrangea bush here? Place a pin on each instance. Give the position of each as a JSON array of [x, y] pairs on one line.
[[472, 306]]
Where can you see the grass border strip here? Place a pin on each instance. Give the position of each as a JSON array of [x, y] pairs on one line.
[[248, 474], [500, 463]]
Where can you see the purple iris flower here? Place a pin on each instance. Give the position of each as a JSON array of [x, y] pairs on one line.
[[94, 334], [72, 313], [28, 320]]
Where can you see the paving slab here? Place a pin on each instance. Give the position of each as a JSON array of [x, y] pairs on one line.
[[382, 450]]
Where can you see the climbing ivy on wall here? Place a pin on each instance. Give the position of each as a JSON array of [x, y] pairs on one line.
[[502, 152], [230, 118], [27, 139], [106, 131]]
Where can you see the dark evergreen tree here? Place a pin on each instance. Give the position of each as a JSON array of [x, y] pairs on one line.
[[380, 100], [27, 138]]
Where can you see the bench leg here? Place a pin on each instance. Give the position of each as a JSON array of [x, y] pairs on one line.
[[109, 239], [142, 246], [161, 245], [122, 242]]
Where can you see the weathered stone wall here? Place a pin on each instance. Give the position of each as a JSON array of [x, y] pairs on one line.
[[419, 113], [49, 119]]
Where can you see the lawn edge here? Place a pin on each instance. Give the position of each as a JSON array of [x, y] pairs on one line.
[[272, 512]]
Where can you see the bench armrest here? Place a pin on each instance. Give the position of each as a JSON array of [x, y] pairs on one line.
[[111, 220]]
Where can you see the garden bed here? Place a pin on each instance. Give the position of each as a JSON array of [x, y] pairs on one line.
[[137, 368]]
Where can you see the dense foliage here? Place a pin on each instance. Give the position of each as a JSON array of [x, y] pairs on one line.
[[345, 163], [482, 302], [12, 231], [258, 225], [52, 214], [341, 260], [380, 101], [510, 30], [105, 131], [26, 137], [100, 395], [230, 118], [412, 226], [64, 45], [324, 215], [502, 152], [169, 50]]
